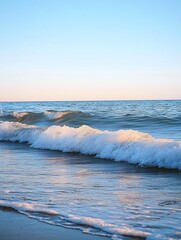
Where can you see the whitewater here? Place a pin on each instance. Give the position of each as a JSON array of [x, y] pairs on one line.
[[123, 145], [107, 168]]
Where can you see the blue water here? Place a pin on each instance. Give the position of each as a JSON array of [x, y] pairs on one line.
[[126, 181], [159, 118]]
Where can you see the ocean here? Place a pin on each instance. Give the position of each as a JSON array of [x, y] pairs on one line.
[[108, 168]]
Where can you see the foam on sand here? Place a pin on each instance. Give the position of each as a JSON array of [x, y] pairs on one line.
[[28, 209]]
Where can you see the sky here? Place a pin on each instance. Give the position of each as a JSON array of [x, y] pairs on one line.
[[90, 49]]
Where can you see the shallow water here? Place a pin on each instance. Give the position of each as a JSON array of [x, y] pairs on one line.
[[103, 193], [117, 198]]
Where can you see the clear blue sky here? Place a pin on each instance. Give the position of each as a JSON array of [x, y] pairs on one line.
[[90, 49]]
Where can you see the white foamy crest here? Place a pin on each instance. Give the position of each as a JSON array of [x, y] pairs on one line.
[[19, 114], [55, 115], [18, 132], [123, 145]]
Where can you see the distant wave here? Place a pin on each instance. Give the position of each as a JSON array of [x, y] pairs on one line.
[[103, 121], [123, 145], [50, 116]]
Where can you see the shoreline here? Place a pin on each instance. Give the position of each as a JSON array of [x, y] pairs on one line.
[[17, 226]]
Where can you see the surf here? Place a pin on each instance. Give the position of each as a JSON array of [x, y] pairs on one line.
[[123, 145]]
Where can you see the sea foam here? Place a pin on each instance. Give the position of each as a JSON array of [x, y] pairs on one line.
[[123, 145]]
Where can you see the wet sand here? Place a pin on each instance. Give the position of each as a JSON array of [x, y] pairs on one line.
[[15, 226]]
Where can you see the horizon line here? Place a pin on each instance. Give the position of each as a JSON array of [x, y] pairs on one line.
[[89, 100]]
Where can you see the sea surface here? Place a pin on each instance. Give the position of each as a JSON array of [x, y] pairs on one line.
[[105, 167]]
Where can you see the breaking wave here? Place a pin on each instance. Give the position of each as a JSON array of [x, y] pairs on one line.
[[123, 145]]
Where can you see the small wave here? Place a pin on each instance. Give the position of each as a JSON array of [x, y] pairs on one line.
[[17, 115], [7, 191], [107, 227], [23, 207], [38, 211], [123, 145], [22, 117], [8, 209]]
